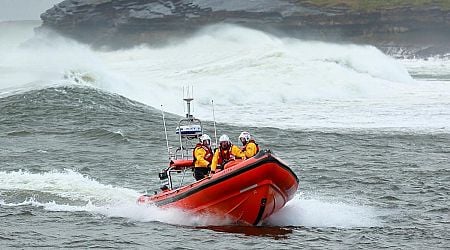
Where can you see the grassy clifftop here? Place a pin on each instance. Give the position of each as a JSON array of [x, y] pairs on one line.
[[373, 5]]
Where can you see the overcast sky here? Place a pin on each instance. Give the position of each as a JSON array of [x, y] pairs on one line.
[[24, 9]]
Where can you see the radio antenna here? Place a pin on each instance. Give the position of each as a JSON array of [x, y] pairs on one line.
[[214, 119], [165, 131]]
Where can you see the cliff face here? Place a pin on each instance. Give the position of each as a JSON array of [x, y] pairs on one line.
[[419, 31]]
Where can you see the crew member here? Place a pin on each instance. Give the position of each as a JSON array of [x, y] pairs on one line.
[[202, 157], [249, 146], [225, 153]]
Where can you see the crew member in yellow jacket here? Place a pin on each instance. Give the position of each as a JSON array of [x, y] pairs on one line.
[[202, 157], [225, 153], [249, 146]]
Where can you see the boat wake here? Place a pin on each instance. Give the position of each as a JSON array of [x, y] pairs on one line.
[[67, 184], [127, 210], [319, 213], [81, 193], [70, 191]]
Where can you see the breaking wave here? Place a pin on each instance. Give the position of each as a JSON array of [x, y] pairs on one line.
[[285, 83]]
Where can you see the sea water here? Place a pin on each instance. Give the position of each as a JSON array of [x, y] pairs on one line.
[[81, 137]]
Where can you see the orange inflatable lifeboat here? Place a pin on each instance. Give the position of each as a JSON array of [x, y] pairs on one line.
[[246, 193]]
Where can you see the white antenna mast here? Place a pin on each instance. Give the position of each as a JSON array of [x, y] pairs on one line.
[[214, 119], [165, 131], [188, 99]]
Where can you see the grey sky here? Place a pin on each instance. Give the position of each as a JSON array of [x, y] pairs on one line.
[[24, 9]]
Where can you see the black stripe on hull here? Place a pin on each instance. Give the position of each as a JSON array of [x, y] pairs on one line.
[[262, 207]]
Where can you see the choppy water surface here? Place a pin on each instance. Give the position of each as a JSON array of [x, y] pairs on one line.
[[80, 139]]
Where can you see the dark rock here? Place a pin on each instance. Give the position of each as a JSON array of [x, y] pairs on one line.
[[122, 23]]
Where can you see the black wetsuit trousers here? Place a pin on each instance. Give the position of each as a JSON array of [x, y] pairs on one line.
[[200, 173]]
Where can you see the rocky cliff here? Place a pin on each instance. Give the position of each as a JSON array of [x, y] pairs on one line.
[[402, 30]]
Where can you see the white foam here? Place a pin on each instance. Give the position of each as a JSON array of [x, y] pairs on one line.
[[321, 213], [127, 210], [66, 184], [99, 199], [110, 201], [142, 213], [298, 212]]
